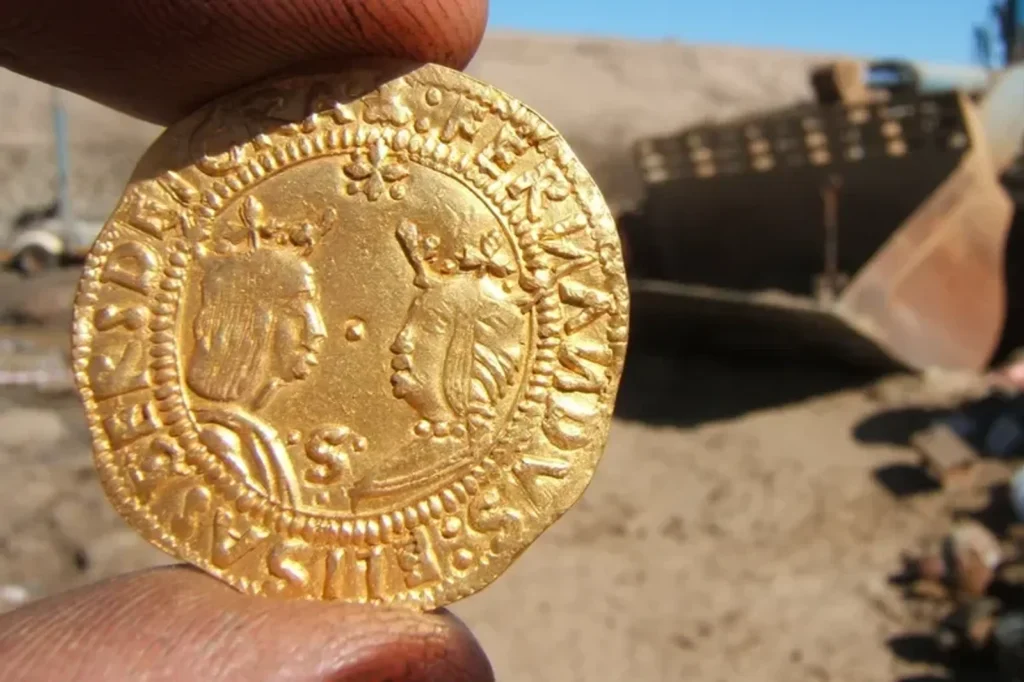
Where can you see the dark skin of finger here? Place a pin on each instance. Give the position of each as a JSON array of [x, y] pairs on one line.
[[180, 624], [159, 60]]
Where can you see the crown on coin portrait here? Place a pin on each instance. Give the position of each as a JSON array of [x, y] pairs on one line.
[[486, 259], [481, 268], [256, 232]]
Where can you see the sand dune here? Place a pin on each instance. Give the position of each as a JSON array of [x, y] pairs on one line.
[[601, 93]]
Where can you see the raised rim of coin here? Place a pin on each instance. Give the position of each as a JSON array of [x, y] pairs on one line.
[[459, 538]]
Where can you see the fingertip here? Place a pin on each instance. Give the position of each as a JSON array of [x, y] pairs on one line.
[[447, 32], [464, 647], [413, 647], [179, 623], [161, 61]]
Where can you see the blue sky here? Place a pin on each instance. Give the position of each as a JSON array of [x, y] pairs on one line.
[[932, 30]]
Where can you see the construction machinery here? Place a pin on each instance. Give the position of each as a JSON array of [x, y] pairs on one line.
[[41, 239], [871, 222]]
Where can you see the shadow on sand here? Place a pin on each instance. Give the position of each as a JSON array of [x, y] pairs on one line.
[[685, 384], [989, 505], [922, 649], [896, 427], [974, 420]]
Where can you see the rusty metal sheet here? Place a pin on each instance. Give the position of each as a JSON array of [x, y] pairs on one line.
[[918, 227], [935, 293]]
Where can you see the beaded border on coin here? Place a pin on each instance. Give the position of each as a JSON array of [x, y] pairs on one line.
[[421, 145]]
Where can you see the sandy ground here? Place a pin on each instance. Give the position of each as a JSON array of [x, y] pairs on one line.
[[718, 547], [742, 525]]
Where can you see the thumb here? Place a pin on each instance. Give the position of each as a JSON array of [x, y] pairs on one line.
[[180, 624], [161, 60]]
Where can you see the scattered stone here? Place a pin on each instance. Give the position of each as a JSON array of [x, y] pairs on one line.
[[973, 554], [13, 596], [29, 493], [969, 628], [30, 430], [1012, 370], [45, 299], [36, 359], [955, 384], [936, 385], [1008, 636], [119, 552], [84, 516], [945, 455], [964, 566], [1017, 493], [35, 560]]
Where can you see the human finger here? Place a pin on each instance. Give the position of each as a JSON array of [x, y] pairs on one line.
[[160, 59], [180, 624]]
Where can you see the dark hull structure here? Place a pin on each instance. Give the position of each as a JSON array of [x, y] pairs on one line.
[[873, 228]]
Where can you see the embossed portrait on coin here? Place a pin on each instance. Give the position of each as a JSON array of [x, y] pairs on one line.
[[258, 328], [458, 353]]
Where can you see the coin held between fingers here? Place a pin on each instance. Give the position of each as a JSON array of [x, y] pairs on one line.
[[384, 319]]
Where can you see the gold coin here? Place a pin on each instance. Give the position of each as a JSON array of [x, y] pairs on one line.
[[353, 337]]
